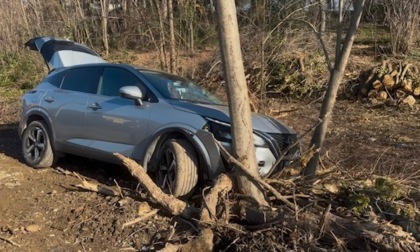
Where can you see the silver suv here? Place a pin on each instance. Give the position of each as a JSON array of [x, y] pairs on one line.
[[88, 107]]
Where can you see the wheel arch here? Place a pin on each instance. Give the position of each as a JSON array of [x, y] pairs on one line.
[[39, 115], [206, 164]]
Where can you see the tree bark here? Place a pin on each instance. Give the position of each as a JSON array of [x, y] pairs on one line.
[[336, 75], [323, 8], [162, 48], [172, 60], [239, 108], [104, 18]]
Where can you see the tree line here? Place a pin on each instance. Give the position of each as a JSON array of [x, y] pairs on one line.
[[171, 25]]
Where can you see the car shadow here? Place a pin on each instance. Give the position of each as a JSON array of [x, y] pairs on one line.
[[10, 142], [104, 173]]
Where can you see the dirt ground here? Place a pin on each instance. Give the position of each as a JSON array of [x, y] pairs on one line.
[[42, 210]]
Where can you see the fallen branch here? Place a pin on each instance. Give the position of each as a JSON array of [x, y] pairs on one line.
[[98, 188], [223, 185], [141, 218], [9, 241], [204, 242], [230, 159], [169, 202]]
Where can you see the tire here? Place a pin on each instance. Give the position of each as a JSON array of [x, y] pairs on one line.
[[177, 172], [36, 145]]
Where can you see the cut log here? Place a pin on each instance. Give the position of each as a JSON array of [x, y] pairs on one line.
[[382, 95], [377, 85], [409, 100], [169, 202], [388, 82], [408, 85], [416, 91]]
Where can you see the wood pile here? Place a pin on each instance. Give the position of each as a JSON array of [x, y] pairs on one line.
[[392, 83]]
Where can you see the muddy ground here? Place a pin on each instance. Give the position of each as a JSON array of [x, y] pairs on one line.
[[42, 210]]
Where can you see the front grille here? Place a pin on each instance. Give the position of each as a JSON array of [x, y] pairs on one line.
[[284, 141]]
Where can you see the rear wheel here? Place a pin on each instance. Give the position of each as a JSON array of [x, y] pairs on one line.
[[36, 145], [177, 172]]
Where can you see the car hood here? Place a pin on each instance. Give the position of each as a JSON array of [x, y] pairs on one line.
[[63, 53], [221, 113]]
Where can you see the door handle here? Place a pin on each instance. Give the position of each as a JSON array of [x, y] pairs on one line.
[[94, 106], [49, 99]]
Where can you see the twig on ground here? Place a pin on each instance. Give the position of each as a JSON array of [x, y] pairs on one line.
[[230, 245], [97, 188], [141, 218], [119, 189], [9, 241], [323, 223]]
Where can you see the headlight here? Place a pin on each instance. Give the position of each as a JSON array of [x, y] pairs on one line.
[[222, 132], [259, 141]]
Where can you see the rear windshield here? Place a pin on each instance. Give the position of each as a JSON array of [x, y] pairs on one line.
[[178, 88]]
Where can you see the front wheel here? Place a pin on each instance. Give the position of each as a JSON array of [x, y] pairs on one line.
[[177, 172], [36, 145]]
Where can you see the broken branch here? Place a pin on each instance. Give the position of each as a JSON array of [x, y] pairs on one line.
[[169, 202], [230, 159]]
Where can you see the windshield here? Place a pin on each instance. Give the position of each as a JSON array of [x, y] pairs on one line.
[[178, 88]]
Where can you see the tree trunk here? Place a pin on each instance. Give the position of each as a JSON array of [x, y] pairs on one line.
[[172, 60], [104, 16], [336, 75], [162, 48], [323, 8], [239, 109]]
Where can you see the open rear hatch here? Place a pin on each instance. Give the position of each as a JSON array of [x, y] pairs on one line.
[[63, 53]]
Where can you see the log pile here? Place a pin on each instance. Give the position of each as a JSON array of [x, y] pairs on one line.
[[392, 83]]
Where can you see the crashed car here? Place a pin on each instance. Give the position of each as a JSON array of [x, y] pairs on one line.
[[91, 108]]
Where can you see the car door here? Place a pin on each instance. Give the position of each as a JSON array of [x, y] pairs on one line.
[[115, 124], [67, 107]]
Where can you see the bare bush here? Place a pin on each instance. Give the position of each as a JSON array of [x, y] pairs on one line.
[[403, 19]]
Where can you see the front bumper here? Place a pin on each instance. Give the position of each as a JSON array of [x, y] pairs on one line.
[[276, 145]]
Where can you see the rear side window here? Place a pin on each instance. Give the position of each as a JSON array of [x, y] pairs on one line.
[[56, 78], [82, 80]]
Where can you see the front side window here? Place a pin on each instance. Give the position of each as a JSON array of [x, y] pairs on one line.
[[114, 78], [82, 80]]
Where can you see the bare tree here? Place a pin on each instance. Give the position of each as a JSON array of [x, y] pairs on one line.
[[336, 74], [239, 108]]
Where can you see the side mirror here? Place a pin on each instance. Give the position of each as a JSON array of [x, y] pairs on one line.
[[132, 93]]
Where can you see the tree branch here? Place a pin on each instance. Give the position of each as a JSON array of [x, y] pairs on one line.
[[230, 159]]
